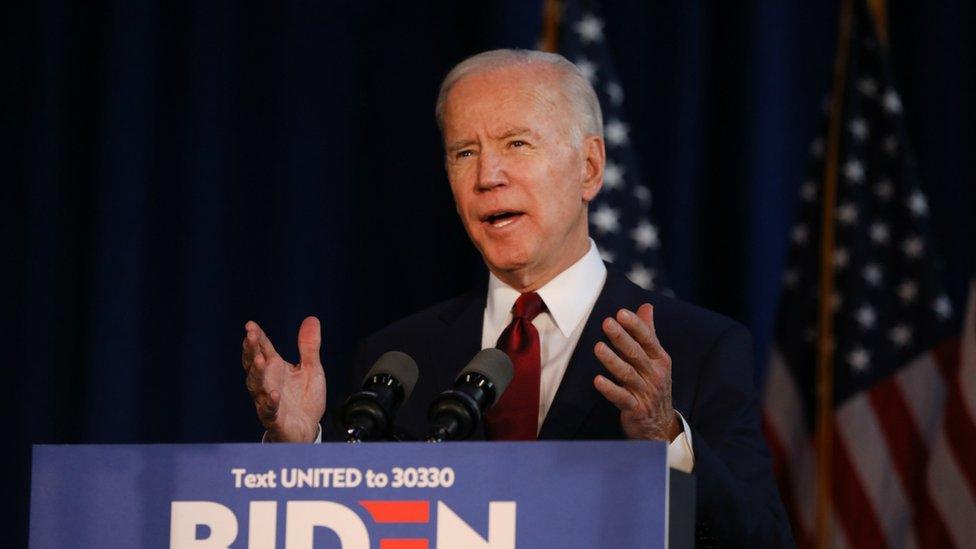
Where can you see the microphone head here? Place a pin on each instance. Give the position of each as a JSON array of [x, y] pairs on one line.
[[495, 365], [398, 366]]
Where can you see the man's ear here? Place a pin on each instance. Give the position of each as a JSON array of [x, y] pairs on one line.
[[595, 158]]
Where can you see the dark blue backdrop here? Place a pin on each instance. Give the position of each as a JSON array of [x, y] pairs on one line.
[[176, 168]]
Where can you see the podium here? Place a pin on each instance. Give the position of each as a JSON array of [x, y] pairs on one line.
[[471, 495]]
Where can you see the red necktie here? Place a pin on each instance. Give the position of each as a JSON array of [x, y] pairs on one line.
[[516, 415]]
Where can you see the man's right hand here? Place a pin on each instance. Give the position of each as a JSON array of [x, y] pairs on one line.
[[289, 398]]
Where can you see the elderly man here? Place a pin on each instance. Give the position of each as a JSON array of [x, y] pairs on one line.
[[595, 355]]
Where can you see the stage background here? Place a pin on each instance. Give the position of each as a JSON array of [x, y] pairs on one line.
[[173, 169]]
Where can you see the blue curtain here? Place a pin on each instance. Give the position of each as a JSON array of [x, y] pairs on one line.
[[174, 169]]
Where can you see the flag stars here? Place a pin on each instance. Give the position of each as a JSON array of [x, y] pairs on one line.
[[867, 86], [808, 191], [907, 291], [606, 219], [847, 213], [841, 259], [900, 335], [616, 133], [879, 233], [942, 307], [873, 274], [642, 194], [913, 247], [589, 28], [859, 359], [917, 203], [891, 102], [799, 234], [587, 68], [854, 171], [884, 189], [866, 317], [615, 92], [858, 128], [613, 175], [642, 276], [645, 236]]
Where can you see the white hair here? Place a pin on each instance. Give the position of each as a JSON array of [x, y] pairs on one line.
[[573, 84]]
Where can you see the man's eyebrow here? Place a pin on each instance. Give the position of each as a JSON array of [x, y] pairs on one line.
[[514, 132], [460, 144], [508, 134]]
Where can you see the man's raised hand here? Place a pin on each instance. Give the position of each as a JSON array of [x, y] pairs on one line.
[[289, 398], [642, 371]]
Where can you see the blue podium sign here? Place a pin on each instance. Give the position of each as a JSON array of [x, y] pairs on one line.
[[354, 496]]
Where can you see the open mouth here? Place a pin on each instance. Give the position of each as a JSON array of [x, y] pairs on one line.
[[502, 218]]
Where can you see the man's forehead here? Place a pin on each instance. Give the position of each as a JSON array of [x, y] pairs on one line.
[[505, 102], [515, 84]]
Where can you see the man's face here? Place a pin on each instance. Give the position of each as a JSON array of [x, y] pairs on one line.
[[520, 182]]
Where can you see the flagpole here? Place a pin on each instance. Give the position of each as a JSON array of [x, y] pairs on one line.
[[825, 352], [551, 11], [880, 12]]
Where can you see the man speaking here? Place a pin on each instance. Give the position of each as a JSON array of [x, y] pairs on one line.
[[596, 356]]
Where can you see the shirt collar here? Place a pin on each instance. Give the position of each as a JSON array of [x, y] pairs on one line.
[[568, 297]]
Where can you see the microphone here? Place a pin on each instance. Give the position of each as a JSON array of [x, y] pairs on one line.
[[368, 413], [456, 412]]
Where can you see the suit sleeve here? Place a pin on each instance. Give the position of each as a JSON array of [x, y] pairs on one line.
[[738, 504]]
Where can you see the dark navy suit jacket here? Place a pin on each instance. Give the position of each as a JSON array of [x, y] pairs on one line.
[[712, 386]]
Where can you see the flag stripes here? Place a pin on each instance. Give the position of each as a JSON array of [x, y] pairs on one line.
[[791, 449], [857, 516], [900, 429]]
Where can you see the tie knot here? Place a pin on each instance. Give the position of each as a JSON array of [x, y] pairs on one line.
[[528, 306]]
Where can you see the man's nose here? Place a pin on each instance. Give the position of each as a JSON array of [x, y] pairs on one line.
[[491, 171]]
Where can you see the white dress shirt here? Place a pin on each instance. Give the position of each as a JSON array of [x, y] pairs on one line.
[[569, 299]]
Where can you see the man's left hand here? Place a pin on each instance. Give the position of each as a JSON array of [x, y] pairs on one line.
[[642, 370]]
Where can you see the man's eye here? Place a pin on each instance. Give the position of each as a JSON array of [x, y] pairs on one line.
[[463, 154], [517, 143]]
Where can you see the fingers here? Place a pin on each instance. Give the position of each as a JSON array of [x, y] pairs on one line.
[[645, 313], [257, 375], [624, 341], [250, 348], [256, 342], [267, 406], [257, 356], [637, 361], [623, 399], [309, 341], [267, 349], [623, 372], [642, 371], [641, 327]]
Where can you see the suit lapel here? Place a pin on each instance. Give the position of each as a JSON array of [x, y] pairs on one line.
[[576, 395]]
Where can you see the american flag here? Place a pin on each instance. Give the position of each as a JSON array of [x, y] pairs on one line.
[[620, 216], [903, 454]]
